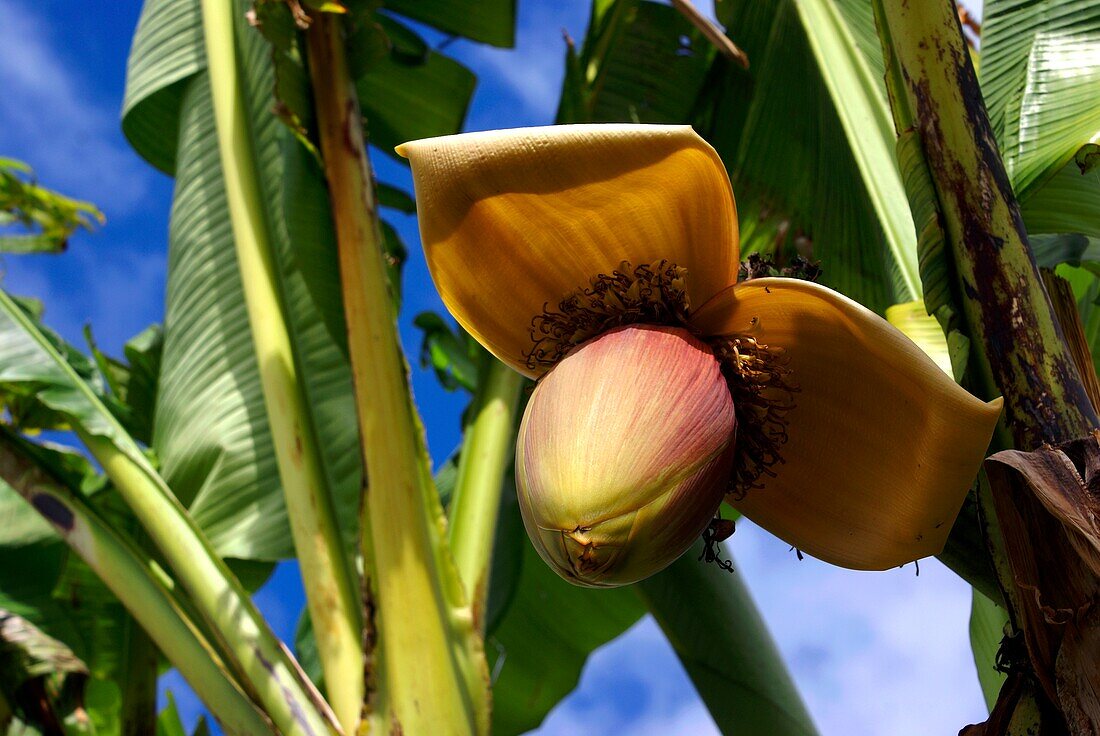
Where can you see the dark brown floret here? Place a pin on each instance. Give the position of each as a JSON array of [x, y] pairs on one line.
[[650, 294], [763, 394]]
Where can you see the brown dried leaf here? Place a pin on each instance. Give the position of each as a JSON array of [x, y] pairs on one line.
[[1048, 507]]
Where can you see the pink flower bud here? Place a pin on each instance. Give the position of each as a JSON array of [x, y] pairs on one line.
[[624, 454]]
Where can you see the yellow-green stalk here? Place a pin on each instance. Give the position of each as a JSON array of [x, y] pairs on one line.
[[128, 573], [433, 677], [486, 452], [139, 691], [256, 654], [287, 697], [328, 576]]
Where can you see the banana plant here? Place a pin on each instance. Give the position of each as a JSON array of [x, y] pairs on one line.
[[271, 416], [221, 430]]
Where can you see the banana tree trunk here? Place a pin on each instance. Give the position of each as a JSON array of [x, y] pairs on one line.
[[981, 280]]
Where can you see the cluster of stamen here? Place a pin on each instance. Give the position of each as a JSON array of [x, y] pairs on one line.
[[649, 293], [757, 374], [759, 381]]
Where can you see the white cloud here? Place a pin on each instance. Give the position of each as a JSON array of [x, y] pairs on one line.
[[633, 685], [50, 119], [119, 293], [873, 653]]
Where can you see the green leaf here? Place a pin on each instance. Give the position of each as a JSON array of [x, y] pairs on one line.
[[293, 101], [35, 363], [405, 45], [1040, 76], [35, 243], [133, 384], [69, 600], [305, 649], [28, 406], [143, 352], [544, 639], [987, 628], [396, 198], [722, 641], [1087, 157], [451, 352], [202, 728], [211, 433], [808, 138], [20, 525], [108, 633], [41, 677], [168, 720], [403, 102], [644, 64], [167, 51], [805, 132], [1071, 248], [28, 576], [48, 217], [488, 21], [1067, 203]]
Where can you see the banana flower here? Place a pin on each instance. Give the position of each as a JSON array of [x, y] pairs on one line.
[[602, 260]]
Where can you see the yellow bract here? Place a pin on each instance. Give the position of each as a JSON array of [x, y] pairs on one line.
[[513, 221], [882, 444]]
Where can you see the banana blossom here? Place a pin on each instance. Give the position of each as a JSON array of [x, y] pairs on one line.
[[603, 261]]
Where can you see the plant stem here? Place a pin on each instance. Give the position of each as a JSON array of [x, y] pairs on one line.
[[327, 574], [139, 691], [434, 665], [486, 450], [981, 261], [286, 695], [1021, 349], [710, 619], [124, 570], [257, 655], [865, 119]]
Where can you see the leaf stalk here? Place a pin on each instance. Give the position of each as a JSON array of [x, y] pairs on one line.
[[430, 664], [331, 585], [486, 452], [128, 574]]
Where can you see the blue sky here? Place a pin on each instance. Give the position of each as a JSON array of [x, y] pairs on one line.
[[873, 653]]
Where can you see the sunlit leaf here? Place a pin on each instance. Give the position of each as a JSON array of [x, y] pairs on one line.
[[488, 21], [211, 432], [1040, 77], [987, 629], [34, 219]]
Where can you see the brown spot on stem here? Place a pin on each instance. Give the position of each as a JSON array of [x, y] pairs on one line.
[[54, 510], [975, 192]]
